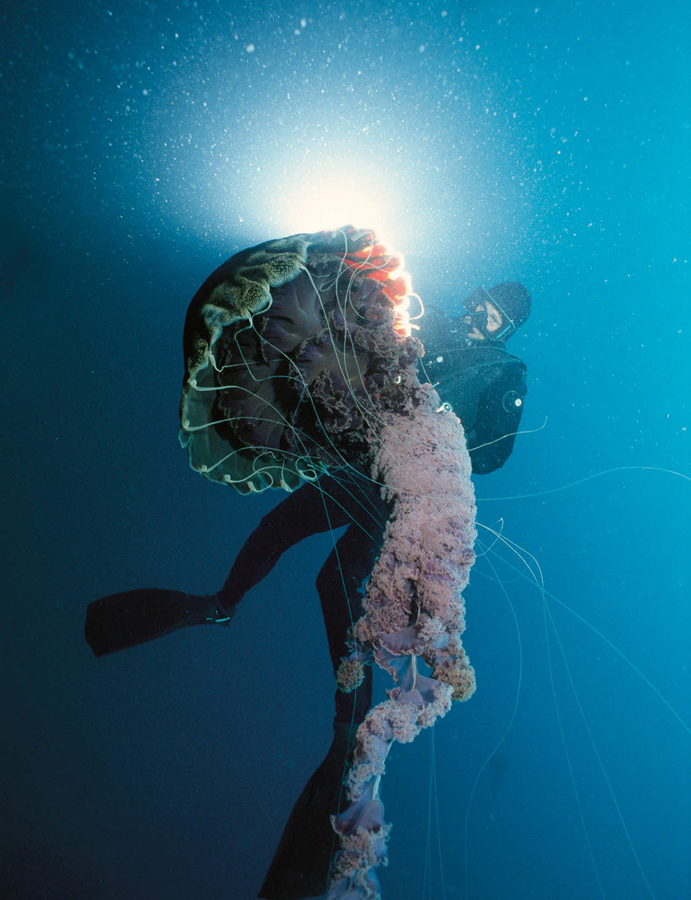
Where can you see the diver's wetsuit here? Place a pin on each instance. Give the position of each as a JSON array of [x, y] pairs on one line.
[[484, 384]]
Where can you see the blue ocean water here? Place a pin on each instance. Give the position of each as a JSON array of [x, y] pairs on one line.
[[142, 144]]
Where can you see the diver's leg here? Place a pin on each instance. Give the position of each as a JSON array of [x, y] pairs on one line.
[[135, 617], [300, 867]]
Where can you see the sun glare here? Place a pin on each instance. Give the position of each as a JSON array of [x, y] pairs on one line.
[[328, 199]]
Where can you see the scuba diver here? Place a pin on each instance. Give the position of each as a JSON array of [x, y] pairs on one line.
[[468, 364]]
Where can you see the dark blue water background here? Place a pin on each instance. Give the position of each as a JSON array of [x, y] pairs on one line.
[[142, 145]]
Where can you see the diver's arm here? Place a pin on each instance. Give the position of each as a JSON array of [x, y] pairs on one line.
[[500, 408]]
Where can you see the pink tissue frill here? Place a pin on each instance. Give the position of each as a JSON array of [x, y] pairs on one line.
[[413, 608]]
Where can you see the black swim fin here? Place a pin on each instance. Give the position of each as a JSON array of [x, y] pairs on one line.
[[300, 867], [134, 617]]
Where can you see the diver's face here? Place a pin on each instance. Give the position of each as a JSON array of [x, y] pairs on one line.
[[494, 321]]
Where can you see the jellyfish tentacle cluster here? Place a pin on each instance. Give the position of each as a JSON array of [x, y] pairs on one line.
[[413, 610], [300, 360]]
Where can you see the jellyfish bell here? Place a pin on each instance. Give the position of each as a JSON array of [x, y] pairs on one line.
[[285, 346]]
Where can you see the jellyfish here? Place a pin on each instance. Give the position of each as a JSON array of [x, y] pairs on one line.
[[300, 360]]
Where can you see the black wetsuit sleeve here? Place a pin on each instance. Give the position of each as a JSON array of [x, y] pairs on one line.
[[499, 410], [312, 509]]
